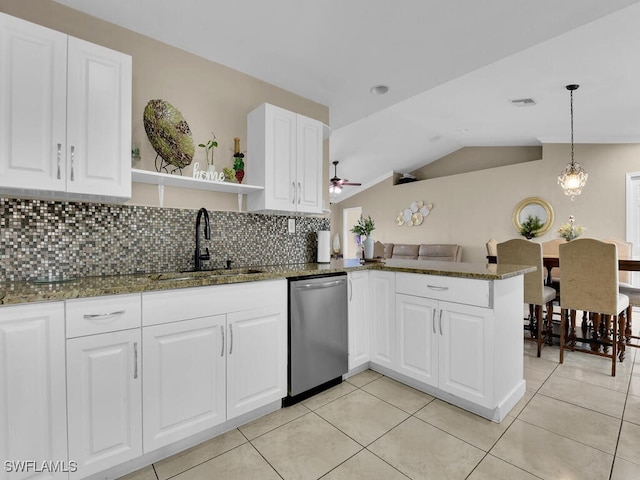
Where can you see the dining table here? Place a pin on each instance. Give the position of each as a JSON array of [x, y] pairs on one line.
[[629, 264]]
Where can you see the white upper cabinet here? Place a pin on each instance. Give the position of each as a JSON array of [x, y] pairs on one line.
[[65, 107], [284, 155]]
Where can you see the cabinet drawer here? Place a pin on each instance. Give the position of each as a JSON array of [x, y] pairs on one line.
[[88, 316], [449, 289], [187, 303]]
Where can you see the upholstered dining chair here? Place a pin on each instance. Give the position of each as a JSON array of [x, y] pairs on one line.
[[625, 250], [551, 247], [492, 247], [523, 252], [590, 283]]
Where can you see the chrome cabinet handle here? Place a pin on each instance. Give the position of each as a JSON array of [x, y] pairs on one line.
[[73, 153], [433, 321], [299, 192], [350, 289], [230, 338], [293, 184], [135, 360], [437, 288], [103, 315], [440, 322], [222, 332], [59, 155]]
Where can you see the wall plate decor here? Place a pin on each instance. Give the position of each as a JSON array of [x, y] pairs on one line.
[[414, 215], [169, 134]]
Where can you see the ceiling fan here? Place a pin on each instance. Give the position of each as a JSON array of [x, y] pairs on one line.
[[337, 183]]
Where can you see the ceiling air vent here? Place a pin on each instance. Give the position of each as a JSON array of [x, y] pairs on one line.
[[523, 102]]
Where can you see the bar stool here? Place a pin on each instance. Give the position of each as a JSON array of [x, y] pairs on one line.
[[536, 294], [590, 283]]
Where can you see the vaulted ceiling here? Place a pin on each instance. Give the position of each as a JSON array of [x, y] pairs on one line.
[[452, 67]]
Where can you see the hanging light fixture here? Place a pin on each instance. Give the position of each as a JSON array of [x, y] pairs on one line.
[[573, 178]]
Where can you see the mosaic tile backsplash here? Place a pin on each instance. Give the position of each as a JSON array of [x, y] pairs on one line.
[[40, 238]]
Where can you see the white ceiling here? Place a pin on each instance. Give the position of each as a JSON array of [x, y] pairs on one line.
[[451, 65]]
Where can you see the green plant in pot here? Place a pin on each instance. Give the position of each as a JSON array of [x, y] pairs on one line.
[[209, 148], [365, 227], [530, 227]]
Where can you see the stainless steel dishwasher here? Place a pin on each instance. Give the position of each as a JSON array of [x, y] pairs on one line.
[[318, 347]]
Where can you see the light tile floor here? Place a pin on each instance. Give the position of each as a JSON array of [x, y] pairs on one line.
[[574, 422]]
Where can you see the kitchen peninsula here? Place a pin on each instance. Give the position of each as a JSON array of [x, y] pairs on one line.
[[453, 330]]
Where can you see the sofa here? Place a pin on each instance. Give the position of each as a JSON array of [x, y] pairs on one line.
[[441, 252]]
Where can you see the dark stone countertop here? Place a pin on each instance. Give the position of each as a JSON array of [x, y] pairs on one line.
[[81, 287]]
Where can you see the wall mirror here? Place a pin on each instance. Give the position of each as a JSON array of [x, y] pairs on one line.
[[534, 207]]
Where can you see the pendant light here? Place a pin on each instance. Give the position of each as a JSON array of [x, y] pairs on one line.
[[573, 178]]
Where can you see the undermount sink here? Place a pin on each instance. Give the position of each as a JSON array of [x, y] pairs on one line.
[[195, 275]]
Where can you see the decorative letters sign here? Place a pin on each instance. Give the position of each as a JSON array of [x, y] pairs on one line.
[[206, 174]]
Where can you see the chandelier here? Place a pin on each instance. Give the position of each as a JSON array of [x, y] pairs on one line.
[[573, 178]]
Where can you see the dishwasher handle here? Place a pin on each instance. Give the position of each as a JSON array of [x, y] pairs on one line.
[[315, 286]]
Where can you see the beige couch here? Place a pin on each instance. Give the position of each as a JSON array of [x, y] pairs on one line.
[[425, 251]]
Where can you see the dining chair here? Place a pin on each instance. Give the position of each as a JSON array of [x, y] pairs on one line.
[[491, 247], [625, 250], [551, 247], [536, 294], [590, 284]]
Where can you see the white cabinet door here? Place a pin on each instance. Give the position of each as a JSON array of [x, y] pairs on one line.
[[465, 352], [184, 379], [358, 318], [256, 358], [65, 111], [99, 120], [33, 413], [382, 319], [104, 395], [418, 326], [287, 152], [33, 88], [309, 165]]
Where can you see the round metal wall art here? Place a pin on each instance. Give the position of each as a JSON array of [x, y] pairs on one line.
[[169, 133], [414, 215]]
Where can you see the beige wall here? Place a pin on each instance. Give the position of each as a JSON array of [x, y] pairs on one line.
[[470, 208], [477, 158], [210, 96]]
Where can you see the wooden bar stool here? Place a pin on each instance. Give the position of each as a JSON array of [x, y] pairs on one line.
[[536, 294], [590, 283]]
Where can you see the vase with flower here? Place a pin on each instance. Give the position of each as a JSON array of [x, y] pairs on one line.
[[365, 227], [570, 230]]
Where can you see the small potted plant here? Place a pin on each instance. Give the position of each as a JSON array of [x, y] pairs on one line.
[[365, 227], [209, 149], [530, 227]]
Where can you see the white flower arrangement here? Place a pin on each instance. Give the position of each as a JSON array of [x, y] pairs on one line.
[[570, 230]]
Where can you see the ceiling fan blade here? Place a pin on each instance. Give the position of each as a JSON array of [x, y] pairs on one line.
[[351, 184]]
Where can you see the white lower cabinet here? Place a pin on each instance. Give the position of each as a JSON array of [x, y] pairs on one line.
[[104, 400], [104, 381], [417, 338], [256, 359], [33, 414], [445, 345], [382, 318], [184, 379], [358, 312], [201, 370]]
